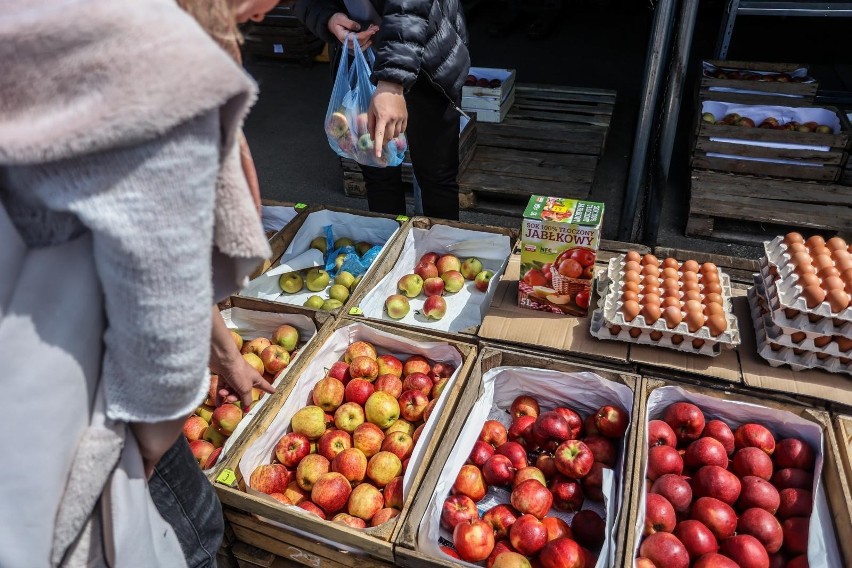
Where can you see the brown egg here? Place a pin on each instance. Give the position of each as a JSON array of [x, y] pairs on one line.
[[799, 351], [813, 295], [798, 337], [842, 260], [776, 346], [632, 286], [708, 267], [800, 258], [713, 298], [656, 335], [649, 280], [615, 330], [671, 301], [651, 312], [822, 341], [629, 295], [833, 283], [791, 313], [669, 272], [821, 261], [650, 299], [692, 295], [650, 270], [793, 237], [818, 250], [635, 333], [712, 288], [838, 300], [671, 283], [843, 343], [650, 259], [650, 290], [804, 269], [824, 273], [814, 241], [808, 280], [630, 309], [822, 356], [632, 276], [814, 318], [693, 306], [796, 247], [670, 263], [677, 339], [689, 277], [632, 266], [697, 343], [689, 266], [673, 316], [633, 256], [836, 243], [713, 309], [717, 324], [687, 286], [694, 320]]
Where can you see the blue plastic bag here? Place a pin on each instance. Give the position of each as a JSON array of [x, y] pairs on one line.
[[346, 117], [353, 263]]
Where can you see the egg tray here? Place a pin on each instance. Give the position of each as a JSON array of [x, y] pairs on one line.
[[786, 355], [789, 292], [730, 338], [823, 326]]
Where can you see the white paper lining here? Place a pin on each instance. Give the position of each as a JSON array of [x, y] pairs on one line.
[[275, 217], [584, 392], [261, 451], [822, 548], [299, 255], [466, 308]]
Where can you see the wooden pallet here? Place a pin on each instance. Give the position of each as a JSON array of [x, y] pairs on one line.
[[756, 200], [549, 142]]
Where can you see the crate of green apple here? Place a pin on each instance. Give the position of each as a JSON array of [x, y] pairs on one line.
[[540, 480], [268, 342], [731, 483]]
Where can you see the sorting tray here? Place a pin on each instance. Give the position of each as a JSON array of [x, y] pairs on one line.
[[801, 322]]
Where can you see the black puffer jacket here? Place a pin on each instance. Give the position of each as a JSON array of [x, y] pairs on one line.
[[415, 36]]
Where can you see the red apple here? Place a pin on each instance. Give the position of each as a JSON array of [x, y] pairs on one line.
[[792, 477], [661, 434], [521, 431], [685, 419], [331, 492], [663, 460], [399, 443], [359, 349], [757, 492], [718, 482], [364, 367], [494, 433], [457, 509], [528, 535], [426, 270], [225, 418], [574, 459], [441, 371], [474, 540], [665, 550], [547, 465], [412, 405], [589, 529], [642, 562], [392, 492], [575, 423], [796, 531], [470, 482], [524, 406], [389, 365], [358, 391], [531, 497], [500, 547], [212, 458], [602, 449], [754, 436], [332, 443], [194, 428], [589, 426], [715, 560], [529, 472], [383, 516], [416, 364], [556, 528], [501, 518], [390, 384], [291, 448], [697, 538], [567, 494], [795, 503], [763, 526], [746, 551], [720, 431], [419, 382], [659, 515], [593, 482], [349, 521], [438, 387], [271, 478], [612, 421], [368, 438], [705, 451], [676, 490], [498, 470], [561, 553], [551, 426], [310, 507], [480, 453], [716, 515], [515, 452], [752, 461], [794, 453], [340, 371]]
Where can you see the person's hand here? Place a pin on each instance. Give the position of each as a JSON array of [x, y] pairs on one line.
[[237, 378], [388, 115], [340, 25]]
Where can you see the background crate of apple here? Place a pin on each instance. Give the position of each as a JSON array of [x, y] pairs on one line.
[[401, 259], [345, 224], [834, 482], [489, 93], [740, 85], [258, 520], [409, 551]]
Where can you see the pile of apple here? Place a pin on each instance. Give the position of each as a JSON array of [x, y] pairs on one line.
[[207, 429], [770, 123], [743, 75], [349, 448], [724, 499], [473, 81], [434, 276], [317, 279], [569, 456], [355, 141]]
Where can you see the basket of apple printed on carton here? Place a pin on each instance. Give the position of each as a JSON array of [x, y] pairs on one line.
[[325, 261], [731, 483], [354, 432], [444, 278], [269, 342], [559, 512]]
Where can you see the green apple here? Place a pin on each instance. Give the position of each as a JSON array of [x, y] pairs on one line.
[[314, 302], [331, 304], [344, 242], [397, 306], [338, 292], [291, 282], [344, 278], [356, 282], [319, 243], [410, 285], [309, 421], [470, 268], [338, 262], [362, 247], [381, 409], [317, 279]]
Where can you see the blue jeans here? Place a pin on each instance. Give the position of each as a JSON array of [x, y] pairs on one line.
[[187, 501]]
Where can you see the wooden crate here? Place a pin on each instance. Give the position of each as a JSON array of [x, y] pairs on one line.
[[832, 478], [549, 143], [376, 548], [353, 178], [392, 256], [407, 550], [301, 209], [756, 200], [770, 92]]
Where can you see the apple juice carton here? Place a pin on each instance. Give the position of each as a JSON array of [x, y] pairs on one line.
[[559, 243]]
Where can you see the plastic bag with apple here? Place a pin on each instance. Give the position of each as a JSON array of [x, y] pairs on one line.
[[346, 118], [351, 262]]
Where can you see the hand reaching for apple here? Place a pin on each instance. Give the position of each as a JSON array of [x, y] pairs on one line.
[[340, 26], [388, 115]]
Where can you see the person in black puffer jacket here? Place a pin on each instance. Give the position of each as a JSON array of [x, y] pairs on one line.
[[422, 62]]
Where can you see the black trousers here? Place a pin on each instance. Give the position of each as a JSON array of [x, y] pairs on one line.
[[433, 140]]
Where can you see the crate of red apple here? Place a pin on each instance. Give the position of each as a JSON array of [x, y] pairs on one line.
[[268, 342], [535, 475], [731, 484]]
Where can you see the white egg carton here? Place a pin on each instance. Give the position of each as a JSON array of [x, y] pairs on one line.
[[801, 322], [786, 355], [789, 292], [730, 338]]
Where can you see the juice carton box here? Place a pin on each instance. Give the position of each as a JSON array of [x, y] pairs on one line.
[[559, 243]]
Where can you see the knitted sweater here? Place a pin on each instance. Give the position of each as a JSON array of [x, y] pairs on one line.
[[119, 119]]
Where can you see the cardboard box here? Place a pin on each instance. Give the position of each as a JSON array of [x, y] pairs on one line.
[[843, 518], [559, 244]]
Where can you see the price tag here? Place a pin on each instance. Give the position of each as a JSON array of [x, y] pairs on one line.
[[227, 477], [402, 218], [356, 311], [300, 206]]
